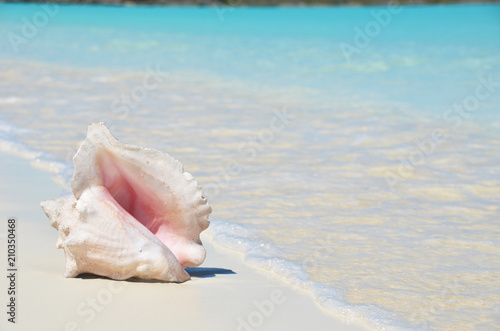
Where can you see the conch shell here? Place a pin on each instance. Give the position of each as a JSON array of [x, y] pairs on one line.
[[134, 213]]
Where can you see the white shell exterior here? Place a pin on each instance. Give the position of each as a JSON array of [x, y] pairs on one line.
[[134, 213]]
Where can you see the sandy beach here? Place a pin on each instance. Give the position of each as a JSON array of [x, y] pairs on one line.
[[223, 294]]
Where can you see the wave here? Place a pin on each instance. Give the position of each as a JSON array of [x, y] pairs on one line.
[[264, 255], [9, 144]]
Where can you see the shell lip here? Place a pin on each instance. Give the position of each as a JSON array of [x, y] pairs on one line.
[[128, 187], [151, 186]]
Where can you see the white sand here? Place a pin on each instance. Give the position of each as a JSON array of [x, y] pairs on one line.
[[224, 293]]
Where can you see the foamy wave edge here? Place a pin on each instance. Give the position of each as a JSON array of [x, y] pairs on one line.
[[38, 159], [264, 255]]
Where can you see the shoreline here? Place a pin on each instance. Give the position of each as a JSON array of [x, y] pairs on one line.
[[224, 292]]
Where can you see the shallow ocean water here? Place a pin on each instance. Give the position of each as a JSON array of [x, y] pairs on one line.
[[374, 181]]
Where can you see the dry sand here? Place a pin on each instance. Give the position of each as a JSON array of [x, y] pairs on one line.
[[224, 294]]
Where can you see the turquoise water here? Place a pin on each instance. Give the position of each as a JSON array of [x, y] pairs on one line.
[[371, 179]]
